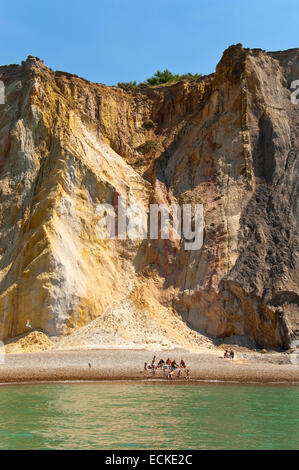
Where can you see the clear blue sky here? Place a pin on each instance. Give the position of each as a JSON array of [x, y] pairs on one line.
[[121, 40]]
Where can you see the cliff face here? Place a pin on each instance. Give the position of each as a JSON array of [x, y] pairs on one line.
[[228, 141]]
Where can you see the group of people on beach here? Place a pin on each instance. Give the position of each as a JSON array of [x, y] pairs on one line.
[[229, 354], [169, 367]]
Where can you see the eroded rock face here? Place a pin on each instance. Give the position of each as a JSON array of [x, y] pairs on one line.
[[228, 141]]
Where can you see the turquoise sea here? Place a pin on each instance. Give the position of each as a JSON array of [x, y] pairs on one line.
[[127, 415]]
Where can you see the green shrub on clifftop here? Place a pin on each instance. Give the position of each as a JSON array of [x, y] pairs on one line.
[[159, 78]]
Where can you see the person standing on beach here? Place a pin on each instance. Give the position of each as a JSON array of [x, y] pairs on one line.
[[153, 365]]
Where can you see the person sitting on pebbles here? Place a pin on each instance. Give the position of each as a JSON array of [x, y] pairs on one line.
[[160, 364], [183, 364], [165, 370]]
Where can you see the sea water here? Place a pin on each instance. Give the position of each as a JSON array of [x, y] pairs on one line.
[[149, 415]]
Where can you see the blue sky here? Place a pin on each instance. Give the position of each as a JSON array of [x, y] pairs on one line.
[[121, 40]]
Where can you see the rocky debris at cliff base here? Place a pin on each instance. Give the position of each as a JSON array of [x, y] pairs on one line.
[[34, 341], [122, 326], [126, 327]]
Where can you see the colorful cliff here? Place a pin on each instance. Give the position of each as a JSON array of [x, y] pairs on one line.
[[228, 141]]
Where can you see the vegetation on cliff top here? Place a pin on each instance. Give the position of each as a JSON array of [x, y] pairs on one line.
[[159, 78]]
